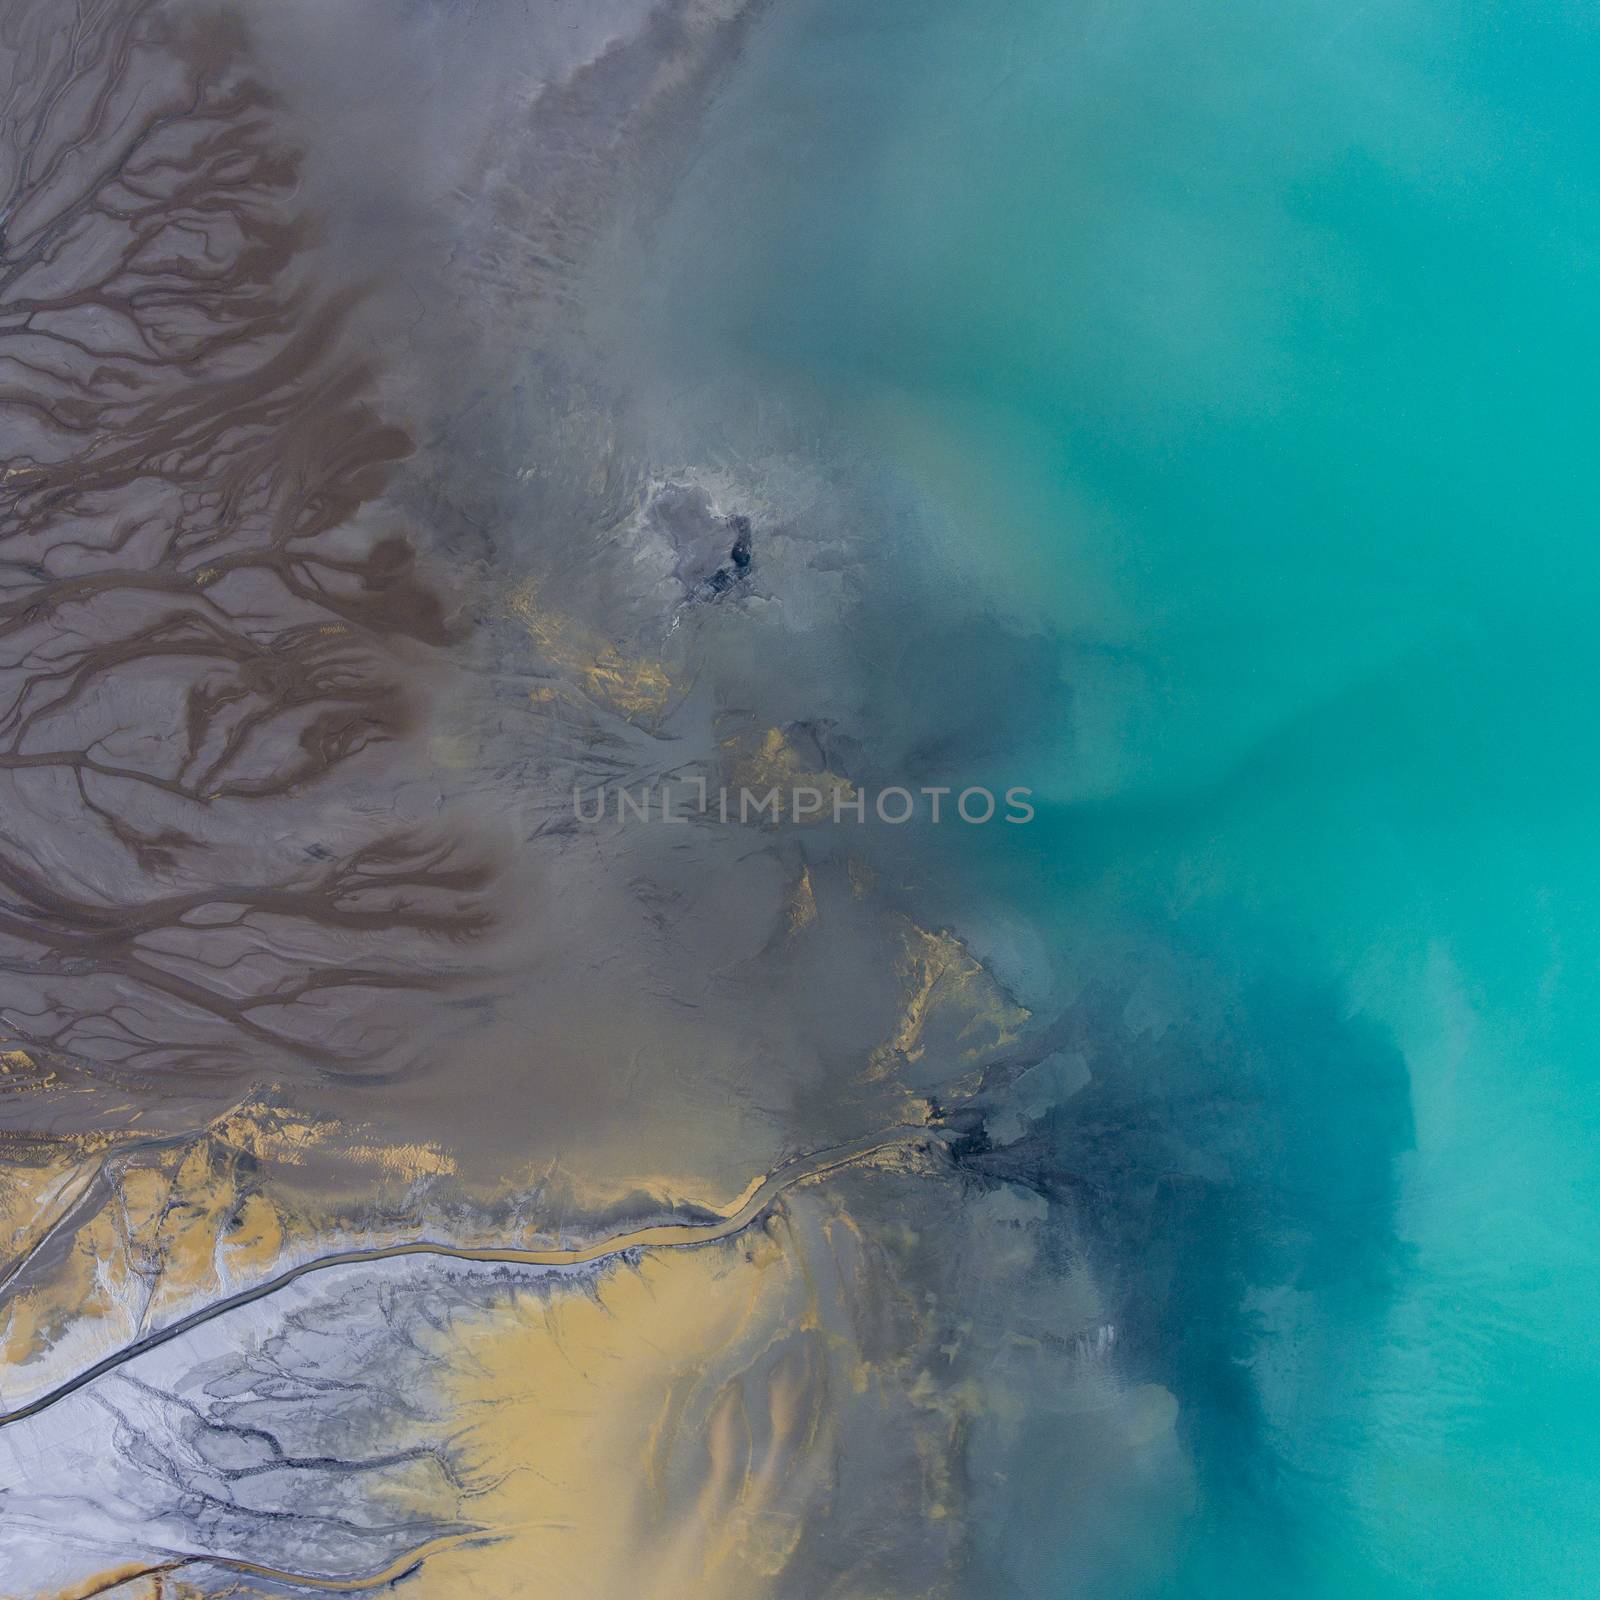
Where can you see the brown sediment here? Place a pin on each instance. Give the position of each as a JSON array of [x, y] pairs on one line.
[[207, 623]]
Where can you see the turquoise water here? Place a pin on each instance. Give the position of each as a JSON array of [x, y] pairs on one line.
[[1248, 349]]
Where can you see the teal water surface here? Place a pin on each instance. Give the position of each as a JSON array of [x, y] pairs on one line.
[[1249, 350]]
